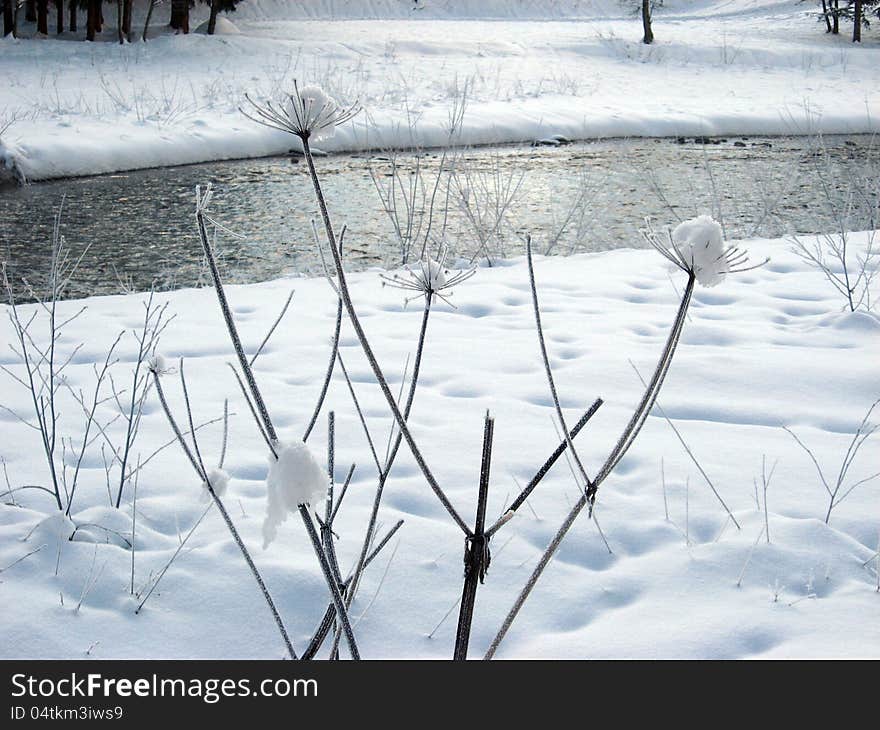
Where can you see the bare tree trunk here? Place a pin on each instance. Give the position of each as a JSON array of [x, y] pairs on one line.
[[147, 21], [180, 15], [825, 14], [126, 19], [91, 19], [835, 17], [212, 21], [857, 21], [16, 7], [648, 38], [43, 17], [71, 16], [119, 34], [8, 17], [31, 11], [59, 16]]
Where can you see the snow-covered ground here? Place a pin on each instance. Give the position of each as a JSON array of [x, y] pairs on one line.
[[718, 67], [764, 349]]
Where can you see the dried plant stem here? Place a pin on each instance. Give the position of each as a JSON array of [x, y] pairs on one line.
[[624, 442], [226, 518], [368, 350], [232, 329], [476, 552], [174, 557], [327, 621], [392, 455], [542, 472], [689, 453], [587, 484], [334, 350], [338, 603]]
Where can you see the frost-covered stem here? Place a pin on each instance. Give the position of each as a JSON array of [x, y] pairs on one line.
[[90, 421], [359, 411], [476, 551], [587, 484], [174, 557], [327, 621], [327, 377], [536, 574], [338, 603], [693, 458], [160, 391], [274, 327], [368, 350], [233, 330], [134, 521], [22, 335], [626, 439], [134, 400], [545, 467], [652, 391], [226, 518], [392, 455]]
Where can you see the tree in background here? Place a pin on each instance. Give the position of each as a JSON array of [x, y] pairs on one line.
[[226, 6], [857, 11], [648, 36], [94, 19], [180, 15], [43, 17], [8, 17]]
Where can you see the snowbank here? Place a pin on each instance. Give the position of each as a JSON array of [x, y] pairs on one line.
[[715, 70]]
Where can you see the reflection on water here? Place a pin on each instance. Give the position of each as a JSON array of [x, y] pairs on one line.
[[141, 230]]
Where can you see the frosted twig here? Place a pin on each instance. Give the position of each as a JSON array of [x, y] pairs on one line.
[[688, 451]]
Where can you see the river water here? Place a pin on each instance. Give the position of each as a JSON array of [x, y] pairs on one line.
[[138, 229]]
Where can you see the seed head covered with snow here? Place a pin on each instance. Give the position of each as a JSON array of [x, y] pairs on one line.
[[295, 478], [700, 242], [219, 481], [697, 246], [158, 364], [309, 113], [430, 276], [317, 111]]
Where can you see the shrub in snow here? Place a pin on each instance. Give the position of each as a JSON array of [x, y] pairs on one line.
[[295, 478], [219, 481], [309, 113]]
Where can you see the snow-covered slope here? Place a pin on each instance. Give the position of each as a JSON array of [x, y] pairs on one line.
[[716, 68], [765, 349]]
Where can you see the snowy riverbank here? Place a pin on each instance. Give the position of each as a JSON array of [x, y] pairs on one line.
[[765, 349], [715, 69]]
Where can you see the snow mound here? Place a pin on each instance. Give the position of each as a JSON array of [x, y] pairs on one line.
[[224, 26], [295, 478], [701, 244]]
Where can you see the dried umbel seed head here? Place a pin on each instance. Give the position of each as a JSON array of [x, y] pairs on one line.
[[308, 112], [430, 277], [697, 247]]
